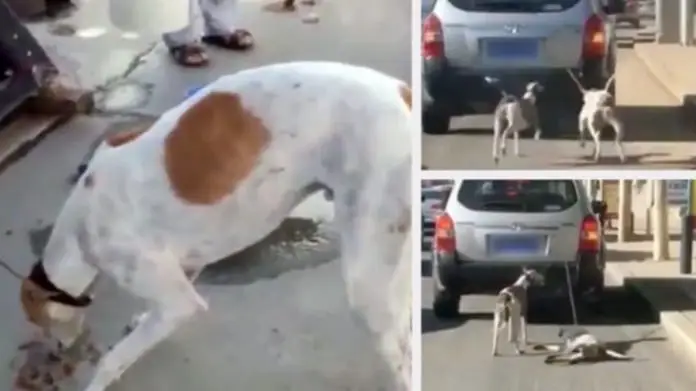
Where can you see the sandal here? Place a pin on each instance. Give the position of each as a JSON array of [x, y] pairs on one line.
[[238, 40], [281, 6], [189, 55]]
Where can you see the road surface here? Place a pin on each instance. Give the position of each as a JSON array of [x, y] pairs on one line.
[[457, 353], [656, 137], [278, 319]]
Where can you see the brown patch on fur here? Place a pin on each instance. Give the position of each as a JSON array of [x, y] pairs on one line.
[[124, 137], [215, 144], [34, 301], [405, 92]]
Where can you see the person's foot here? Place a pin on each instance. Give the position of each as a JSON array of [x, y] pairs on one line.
[[189, 55], [239, 40], [281, 6]]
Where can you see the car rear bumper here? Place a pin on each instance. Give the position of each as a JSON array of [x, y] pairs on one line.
[[485, 277], [458, 91]]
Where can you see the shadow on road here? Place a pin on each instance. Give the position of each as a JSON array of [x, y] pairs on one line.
[[631, 159], [619, 306], [670, 293], [641, 124], [431, 324]]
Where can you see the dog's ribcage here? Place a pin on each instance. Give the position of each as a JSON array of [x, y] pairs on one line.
[[512, 295], [520, 112]]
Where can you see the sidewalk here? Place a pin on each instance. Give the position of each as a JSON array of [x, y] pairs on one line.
[[672, 295], [671, 65]]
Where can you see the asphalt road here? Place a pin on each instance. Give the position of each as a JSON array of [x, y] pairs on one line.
[[457, 353], [656, 135], [278, 317]]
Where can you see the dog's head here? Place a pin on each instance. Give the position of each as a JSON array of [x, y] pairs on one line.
[[55, 319], [534, 87], [533, 277]]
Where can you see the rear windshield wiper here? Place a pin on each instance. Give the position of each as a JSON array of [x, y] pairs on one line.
[[507, 5]]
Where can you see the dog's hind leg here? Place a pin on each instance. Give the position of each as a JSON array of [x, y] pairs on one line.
[[595, 133], [616, 355], [582, 128], [498, 127], [618, 135], [163, 284], [373, 214], [523, 333]]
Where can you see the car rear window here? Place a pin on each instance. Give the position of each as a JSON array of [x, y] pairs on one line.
[[514, 5], [524, 196]]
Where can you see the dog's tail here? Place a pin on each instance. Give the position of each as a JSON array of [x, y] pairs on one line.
[[577, 82]]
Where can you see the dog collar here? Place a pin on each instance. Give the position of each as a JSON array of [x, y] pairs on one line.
[[39, 277]]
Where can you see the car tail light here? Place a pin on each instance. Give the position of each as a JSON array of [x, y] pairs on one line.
[[432, 42], [589, 234], [594, 40], [444, 240]]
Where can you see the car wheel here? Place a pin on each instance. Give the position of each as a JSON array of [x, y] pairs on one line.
[[445, 302], [446, 305], [590, 289], [435, 122]]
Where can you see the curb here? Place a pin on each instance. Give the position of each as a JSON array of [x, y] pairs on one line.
[[687, 101], [680, 330], [37, 117]]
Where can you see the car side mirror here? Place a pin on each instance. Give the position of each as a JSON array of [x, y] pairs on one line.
[[598, 207], [614, 7]]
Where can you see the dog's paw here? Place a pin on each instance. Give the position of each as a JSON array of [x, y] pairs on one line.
[[537, 136], [519, 352]]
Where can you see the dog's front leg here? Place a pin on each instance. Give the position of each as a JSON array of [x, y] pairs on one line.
[[165, 286], [497, 325], [503, 139], [522, 346], [497, 130], [595, 133], [516, 136], [582, 125]]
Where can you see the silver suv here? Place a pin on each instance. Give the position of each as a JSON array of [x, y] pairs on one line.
[[514, 41], [490, 229]]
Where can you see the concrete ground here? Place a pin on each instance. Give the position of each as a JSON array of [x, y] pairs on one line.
[[279, 319], [657, 136]]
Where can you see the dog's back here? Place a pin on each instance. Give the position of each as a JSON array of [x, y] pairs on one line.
[[255, 138]]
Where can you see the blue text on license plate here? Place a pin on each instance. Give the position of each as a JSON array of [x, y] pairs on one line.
[[512, 48], [515, 244]]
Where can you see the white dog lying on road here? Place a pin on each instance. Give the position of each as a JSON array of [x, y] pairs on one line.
[[219, 172]]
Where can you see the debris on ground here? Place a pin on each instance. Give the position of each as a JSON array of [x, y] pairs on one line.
[[41, 364]]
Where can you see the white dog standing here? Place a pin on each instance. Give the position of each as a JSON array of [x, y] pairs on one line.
[[598, 111], [219, 172]]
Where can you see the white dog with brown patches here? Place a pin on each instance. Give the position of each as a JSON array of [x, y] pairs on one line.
[[219, 172]]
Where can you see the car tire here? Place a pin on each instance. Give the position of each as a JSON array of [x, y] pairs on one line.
[[445, 302], [435, 122], [446, 305], [590, 289]]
